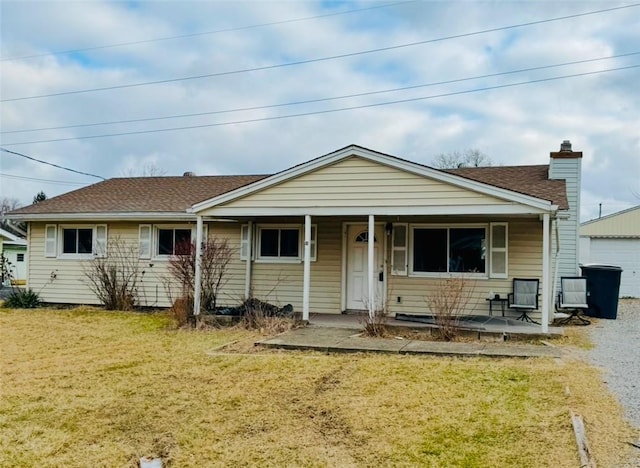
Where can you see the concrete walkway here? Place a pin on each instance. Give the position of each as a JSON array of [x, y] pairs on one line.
[[340, 339]]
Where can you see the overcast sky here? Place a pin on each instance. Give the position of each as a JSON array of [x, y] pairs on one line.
[[261, 41]]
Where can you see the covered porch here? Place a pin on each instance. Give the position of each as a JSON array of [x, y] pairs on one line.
[[331, 265], [360, 230]]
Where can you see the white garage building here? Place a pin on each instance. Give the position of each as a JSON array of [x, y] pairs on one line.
[[615, 240]]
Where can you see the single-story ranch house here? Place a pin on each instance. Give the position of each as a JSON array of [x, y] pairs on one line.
[[302, 236]]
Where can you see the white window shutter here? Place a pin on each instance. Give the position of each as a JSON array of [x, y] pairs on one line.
[[51, 240], [100, 247], [399, 249], [205, 234], [144, 244], [498, 255], [244, 242], [314, 242]]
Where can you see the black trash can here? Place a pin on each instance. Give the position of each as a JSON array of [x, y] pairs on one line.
[[603, 284]]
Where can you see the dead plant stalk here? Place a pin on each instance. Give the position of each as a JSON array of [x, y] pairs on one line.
[[448, 302]]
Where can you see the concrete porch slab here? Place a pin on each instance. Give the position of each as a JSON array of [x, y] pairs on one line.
[[344, 340]]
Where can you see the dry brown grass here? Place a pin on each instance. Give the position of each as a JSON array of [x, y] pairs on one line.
[[93, 388]]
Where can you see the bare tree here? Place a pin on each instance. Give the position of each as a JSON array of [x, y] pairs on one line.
[[7, 205], [214, 265], [448, 302], [114, 278], [146, 170], [466, 158], [39, 197]]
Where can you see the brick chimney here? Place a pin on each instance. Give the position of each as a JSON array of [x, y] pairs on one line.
[[566, 165]]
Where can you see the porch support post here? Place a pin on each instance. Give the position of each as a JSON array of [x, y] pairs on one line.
[[198, 272], [306, 284], [370, 258], [247, 271], [546, 273]]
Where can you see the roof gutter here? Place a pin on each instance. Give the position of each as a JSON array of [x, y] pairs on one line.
[[127, 216]]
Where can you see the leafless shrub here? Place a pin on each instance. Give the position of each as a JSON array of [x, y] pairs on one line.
[[181, 310], [375, 324], [114, 278], [448, 302], [214, 264]]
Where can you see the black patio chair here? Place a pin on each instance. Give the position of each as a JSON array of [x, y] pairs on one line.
[[572, 299], [524, 297]]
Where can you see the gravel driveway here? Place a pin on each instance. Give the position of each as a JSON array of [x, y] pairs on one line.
[[617, 350]]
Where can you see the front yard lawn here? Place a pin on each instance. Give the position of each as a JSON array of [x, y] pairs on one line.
[[94, 388]]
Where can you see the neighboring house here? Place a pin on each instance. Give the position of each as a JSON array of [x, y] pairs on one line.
[[14, 250], [615, 240], [302, 235]]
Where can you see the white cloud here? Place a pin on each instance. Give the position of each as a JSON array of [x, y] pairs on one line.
[[519, 125]]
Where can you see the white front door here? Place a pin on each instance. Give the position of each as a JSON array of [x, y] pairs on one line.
[[357, 267]]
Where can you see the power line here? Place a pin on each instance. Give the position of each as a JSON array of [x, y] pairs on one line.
[[45, 181], [312, 101], [315, 60], [205, 33], [50, 164], [327, 111]]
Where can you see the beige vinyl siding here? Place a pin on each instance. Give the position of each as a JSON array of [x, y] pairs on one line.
[[358, 182], [623, 224], [525, 261], [232, 293], [569, 170], [64, 281], [281, 283], [273, 282]]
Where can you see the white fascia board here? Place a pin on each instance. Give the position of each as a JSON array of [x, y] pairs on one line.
[[380, 158], [8, 235], [498, 210], [612, 215], [129, 216], [18, 242]]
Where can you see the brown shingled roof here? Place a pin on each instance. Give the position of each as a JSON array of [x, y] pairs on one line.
[[528, 180], [177, 194], [140, 194]]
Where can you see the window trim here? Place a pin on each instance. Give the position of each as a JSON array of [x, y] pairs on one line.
[[257, 239], [155, 239], [95, 242], [448, 227]]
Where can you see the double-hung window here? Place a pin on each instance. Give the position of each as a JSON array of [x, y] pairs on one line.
[[77, 240], [173, 241], [277, 243], [438, 249], [163, 241], [69, 241]]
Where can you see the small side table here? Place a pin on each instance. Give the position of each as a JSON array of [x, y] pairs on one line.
[[498, 300]]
